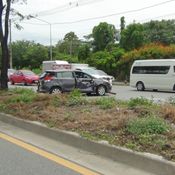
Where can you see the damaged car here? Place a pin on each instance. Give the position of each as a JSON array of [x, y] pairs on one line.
[[58, 81]]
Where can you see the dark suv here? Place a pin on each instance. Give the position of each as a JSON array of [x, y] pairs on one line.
[[56, 81]]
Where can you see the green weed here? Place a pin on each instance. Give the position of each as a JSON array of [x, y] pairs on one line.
[[22, 96], [147, 125], [140, 101], [106, 103], [75, 98]]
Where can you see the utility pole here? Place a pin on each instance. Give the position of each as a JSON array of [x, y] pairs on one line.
[[10, 45]]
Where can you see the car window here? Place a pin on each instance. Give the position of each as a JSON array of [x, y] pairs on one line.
[[67, 75], [174, 68], [59, 75], [86, 76], [18, 73], [81, 75]]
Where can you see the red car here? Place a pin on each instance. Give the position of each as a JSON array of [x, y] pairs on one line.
[[24, 76]]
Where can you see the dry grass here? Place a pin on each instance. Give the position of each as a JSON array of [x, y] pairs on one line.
[[93, 121], [168, 112]]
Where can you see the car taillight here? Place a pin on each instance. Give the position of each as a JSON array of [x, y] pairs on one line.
[[48, 78]]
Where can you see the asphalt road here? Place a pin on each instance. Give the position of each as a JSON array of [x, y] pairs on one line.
[[23, 152], [15, 160], [127, 92]]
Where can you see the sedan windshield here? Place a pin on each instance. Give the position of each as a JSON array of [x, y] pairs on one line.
[[90, 71], [94, 72]]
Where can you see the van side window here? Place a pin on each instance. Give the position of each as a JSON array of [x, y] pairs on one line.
[[174, 68], [150, 69]]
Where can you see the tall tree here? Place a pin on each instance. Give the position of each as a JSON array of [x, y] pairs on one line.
[[4, 41], [103, 34], [132, 36], [5, 9], [28, 53], [69, 45], [160, 31], [122, 23]]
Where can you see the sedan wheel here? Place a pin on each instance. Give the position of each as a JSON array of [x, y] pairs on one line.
[[55, 90], [101, 90], [12, 82]]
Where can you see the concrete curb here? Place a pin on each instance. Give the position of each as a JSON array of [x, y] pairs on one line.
[[144, 161]]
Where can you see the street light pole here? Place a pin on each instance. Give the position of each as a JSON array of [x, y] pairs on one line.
[[50, 41], [50, 27]]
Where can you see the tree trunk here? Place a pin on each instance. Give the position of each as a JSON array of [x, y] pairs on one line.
[[5, 64], [4, 43]]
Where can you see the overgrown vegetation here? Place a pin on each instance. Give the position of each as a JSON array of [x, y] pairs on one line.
[[138, 124], [147, 126], [139, 101]]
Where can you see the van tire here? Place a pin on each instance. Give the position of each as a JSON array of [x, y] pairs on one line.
[[140, 86], [174, 87]]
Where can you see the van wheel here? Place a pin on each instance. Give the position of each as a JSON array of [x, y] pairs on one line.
[[55, 90], [140, 86], [101, 90], [174, 87]]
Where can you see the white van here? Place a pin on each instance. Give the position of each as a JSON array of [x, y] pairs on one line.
[[55, 64], [153, 74]]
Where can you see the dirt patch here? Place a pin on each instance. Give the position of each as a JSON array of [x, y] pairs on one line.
[[93, 120]]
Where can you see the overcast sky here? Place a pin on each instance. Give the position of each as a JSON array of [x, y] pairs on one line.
[[63, 15]]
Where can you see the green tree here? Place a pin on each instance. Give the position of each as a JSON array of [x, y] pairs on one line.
[[132, 37], [160, 31], [83, 52], [69, 45], [27, 53], [106, 60], [103, 34], [122, 23]]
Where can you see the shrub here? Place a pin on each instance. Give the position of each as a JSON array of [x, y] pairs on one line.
[[59, 100], [22, 96], [147, 125], [37, 71], [22, 91], [106, 103], [75, 98], [140, 101]]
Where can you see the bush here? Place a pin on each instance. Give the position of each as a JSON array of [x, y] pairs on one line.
[[147, 125], [37, 71], [106, 103], [59, 100], [140, 101], [75, 98], [22, 96]]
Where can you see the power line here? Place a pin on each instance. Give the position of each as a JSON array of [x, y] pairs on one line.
[[115, 14], [66, 7]]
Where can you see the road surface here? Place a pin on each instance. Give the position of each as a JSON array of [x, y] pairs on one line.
[[25, 153], [16, 160], [127, 92]]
